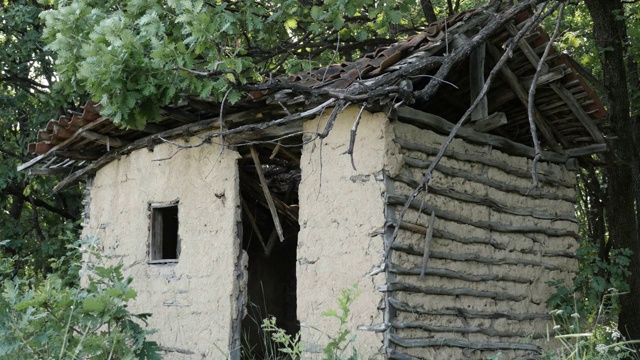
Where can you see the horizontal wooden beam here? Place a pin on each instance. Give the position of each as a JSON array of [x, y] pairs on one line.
[[103, 139], [587, 150], [490, 122], [443, 126], [240, 135]]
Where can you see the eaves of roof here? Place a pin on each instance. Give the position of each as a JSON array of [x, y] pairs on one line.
[[568, 105]]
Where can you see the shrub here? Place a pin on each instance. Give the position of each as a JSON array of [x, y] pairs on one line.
[[52, 320]]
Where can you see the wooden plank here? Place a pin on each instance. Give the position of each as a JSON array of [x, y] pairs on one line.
[[587, 150], [579, 112], [47, 171], [104, 139], [564, 94], [476, 79], [156, 234], [267, 193], [77, 155], [491, 122], [553, 75]]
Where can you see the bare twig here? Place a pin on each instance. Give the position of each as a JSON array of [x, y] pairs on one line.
[[335, 53], [532, 97], [341, 105], [220, 118]]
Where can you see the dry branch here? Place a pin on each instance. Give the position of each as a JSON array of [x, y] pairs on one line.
[[408, 249], [396, 269], [466, 313], [420, 164], [408, 203], [443, 234], [428, 290], [532, 97], [352, 135], [465, 344], [490, 202], [485, 160], [462, 330]]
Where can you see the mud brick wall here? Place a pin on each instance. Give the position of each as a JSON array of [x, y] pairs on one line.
[[493, 244]]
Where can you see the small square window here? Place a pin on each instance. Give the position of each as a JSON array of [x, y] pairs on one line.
[[165, 245]]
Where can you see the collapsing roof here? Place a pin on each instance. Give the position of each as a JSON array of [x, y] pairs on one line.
[[568, 114]]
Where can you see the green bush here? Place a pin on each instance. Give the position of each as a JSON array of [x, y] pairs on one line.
[[52, 320], [585, 314]]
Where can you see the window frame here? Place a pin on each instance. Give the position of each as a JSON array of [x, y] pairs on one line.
[[156, 242]]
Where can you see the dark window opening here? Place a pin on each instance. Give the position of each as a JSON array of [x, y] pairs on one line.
[[271, 286], [165, 245]]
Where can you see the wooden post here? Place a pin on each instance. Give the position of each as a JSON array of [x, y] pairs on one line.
[[476, 79]]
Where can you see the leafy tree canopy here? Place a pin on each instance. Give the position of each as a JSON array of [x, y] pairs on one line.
[[34, 227], [136, 55]]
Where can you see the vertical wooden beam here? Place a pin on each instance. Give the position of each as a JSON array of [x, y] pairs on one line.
[[476, 79]]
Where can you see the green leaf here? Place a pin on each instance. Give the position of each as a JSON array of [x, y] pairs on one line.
[[92, 304]]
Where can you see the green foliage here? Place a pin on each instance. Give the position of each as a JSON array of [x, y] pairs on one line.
[[35, 227], [338, 344], [585, 314], [51, 320], [595, 278], [584, 340], [291, 346], [135, 56]]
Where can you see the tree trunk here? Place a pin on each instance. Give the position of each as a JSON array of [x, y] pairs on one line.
[[624, 181], [429, 12]]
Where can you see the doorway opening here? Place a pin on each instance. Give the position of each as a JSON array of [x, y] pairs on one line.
[[271, 286]]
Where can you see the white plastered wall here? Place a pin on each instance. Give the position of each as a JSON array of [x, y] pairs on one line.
[[192, 302], [341, 220]]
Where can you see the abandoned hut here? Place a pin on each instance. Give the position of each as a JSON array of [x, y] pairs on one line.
[[309, 186]]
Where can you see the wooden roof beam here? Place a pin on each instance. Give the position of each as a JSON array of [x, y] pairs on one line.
[[564, 94], [579, 112], [104, 139], [523, 96]]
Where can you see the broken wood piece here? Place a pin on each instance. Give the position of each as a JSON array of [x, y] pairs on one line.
[[352, 136], [103, 139], [490, 122], [275, 151], [254, 226], [427, 244], [267, 193]]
